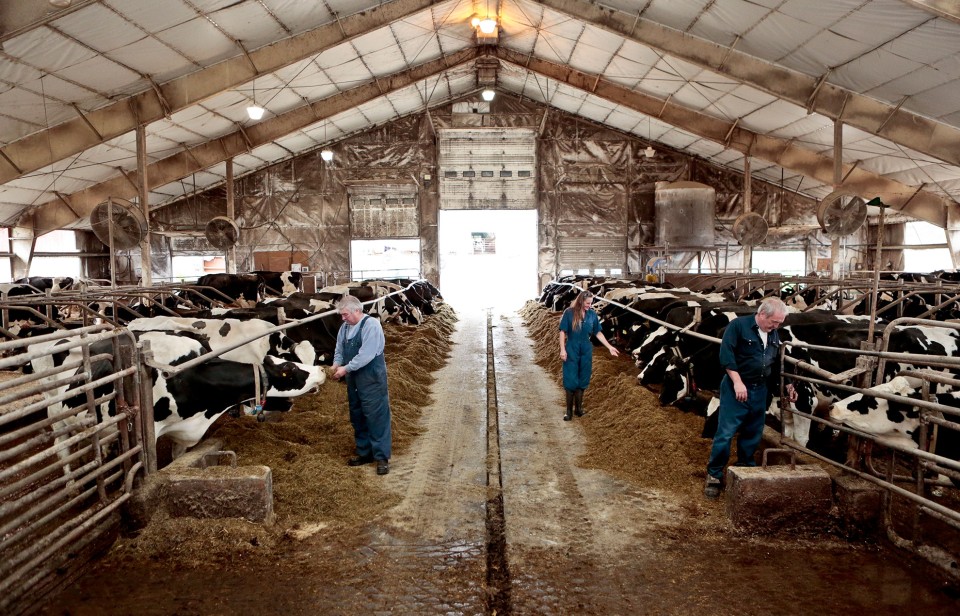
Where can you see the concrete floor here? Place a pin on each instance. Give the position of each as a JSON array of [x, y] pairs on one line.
[[570, 540]]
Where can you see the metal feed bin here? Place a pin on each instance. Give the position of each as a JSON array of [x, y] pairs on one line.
[[685, 214]]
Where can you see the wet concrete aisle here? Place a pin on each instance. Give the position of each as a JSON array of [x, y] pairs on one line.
[[571, 541]]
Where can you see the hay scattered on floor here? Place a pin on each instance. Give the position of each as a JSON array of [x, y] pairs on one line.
[[307, 449], [629, 434]]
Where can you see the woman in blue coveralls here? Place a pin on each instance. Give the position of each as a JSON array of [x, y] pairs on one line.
[[359, 358], [577, 324]]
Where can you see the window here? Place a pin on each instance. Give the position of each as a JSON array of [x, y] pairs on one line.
[[56, 241], [929, 252], [486, 174], [523, 174], [788, 262], [506, 174], [449, 174], [191, 268], [384, 258], [6, 271], [469, 174]]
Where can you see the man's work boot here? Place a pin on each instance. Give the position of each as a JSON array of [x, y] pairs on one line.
[[712, 487], [383, 467]]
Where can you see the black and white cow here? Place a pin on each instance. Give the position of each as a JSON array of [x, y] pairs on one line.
[[247, 287], [221, 333], [897, 422], [280, 284], [187, 403], [311, 303], [44, 283], [320, 333]]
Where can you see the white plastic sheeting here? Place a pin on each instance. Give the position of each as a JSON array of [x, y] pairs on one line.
[[95, 54]]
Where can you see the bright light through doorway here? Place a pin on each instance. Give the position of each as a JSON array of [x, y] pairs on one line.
[[488, 258]]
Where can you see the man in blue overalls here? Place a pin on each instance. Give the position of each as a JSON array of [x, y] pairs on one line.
[[749, 353], [359, 358]]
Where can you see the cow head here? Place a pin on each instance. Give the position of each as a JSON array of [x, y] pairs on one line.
[[655, 370], [676, 380], [287, 379], [877, 415]]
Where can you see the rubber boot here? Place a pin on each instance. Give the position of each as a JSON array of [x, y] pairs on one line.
[[569, 415], [578, 402]]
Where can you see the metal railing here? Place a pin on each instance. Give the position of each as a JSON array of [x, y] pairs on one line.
[[65, 466]]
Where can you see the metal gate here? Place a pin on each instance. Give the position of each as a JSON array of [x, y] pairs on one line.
[[65, 467]]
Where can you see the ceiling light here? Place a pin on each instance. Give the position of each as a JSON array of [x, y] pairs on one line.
[[326, 155], [255, 111], [488, 25], [475, 22], [488, 95], [649, 152], [61, 4]]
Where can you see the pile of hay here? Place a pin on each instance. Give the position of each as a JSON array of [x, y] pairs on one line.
[[628, 433], [307, 449]]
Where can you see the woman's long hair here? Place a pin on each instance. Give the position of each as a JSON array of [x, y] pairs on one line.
[[577, 309]]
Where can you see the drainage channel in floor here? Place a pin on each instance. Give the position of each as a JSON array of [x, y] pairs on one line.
[[498, 572]]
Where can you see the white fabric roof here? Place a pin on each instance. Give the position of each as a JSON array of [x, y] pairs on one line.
[[711, 78]]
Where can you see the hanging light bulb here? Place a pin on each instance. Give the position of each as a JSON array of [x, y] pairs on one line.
[[488, 95], [255, 111], [326, 153], [649, 152]]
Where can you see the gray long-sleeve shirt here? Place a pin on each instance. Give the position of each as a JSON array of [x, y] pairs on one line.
[[371, 343]]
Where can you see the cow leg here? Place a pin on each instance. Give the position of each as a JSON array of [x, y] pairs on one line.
[[570, 396]]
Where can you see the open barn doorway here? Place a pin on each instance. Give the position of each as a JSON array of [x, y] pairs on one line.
[[488, 258]]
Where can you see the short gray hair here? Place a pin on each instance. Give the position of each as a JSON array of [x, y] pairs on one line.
[[349, 303], [772, 306]]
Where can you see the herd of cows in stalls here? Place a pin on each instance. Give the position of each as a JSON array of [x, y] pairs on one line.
[[187, 323], [681, 365]]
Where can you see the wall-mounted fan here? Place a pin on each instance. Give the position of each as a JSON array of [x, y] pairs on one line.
[[750, 229], [118, 223], [841, 213], [222, 232]]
